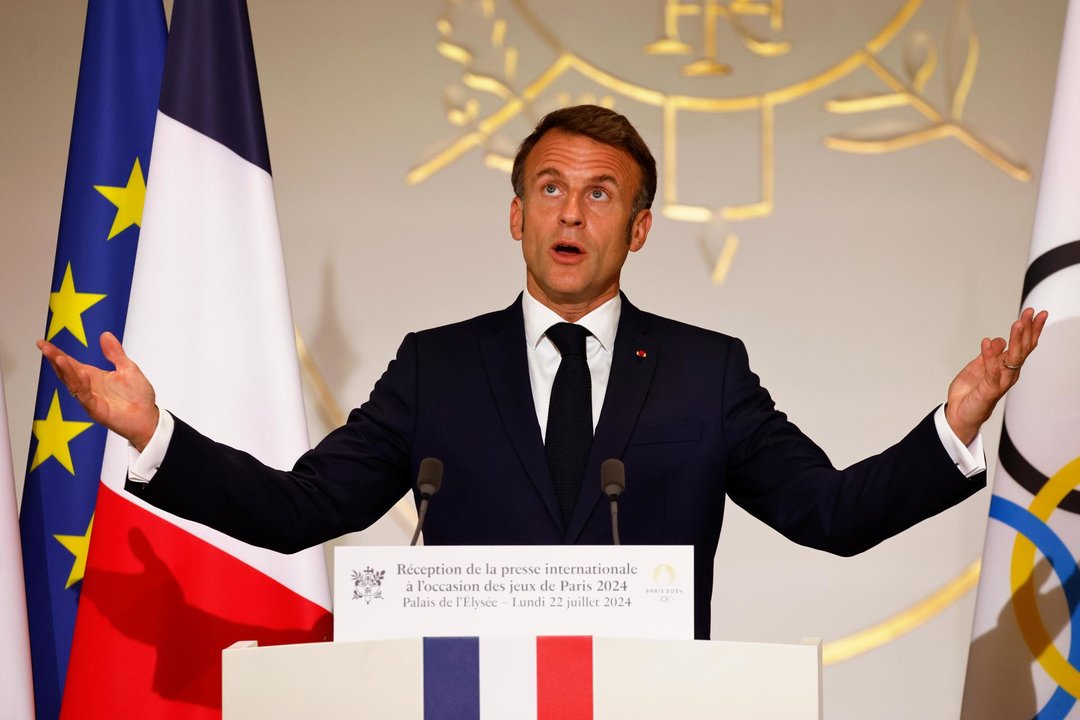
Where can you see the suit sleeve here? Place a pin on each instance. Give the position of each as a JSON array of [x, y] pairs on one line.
[[344, 484], [781, 477]]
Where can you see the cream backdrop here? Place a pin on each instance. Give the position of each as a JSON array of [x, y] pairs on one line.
[[860, 292]]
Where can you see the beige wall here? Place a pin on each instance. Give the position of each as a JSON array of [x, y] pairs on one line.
[[861, 293]]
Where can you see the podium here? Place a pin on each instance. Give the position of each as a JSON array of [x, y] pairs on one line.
[[631, 678], [499, 632]]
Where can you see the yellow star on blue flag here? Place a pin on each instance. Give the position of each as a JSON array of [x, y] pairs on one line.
[[79, 546], [67, 307], [128, 201], [53, 433]]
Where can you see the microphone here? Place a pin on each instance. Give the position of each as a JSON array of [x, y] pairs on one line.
[[612, 483], [428, 482]]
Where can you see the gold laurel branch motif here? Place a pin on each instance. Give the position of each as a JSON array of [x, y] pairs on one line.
[[454, 52], [913, 95], [465, 112], [966, 79], [488, 84], [903, 622], [920, 70], [333, 416], [958, 88], [902, 141]]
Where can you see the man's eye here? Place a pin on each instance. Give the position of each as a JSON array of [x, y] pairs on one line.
[[550, 189], [598, 194]]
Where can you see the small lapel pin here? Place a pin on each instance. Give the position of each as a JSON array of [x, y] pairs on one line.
[[641, 354]]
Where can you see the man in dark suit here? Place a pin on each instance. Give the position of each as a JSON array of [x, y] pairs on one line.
[[522, 405]]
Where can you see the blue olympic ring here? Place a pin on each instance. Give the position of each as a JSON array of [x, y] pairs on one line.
[[1065, 567]]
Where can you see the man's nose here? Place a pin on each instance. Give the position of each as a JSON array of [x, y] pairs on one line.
[[570, 212]]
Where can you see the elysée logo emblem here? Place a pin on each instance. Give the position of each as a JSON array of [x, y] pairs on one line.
[[367, 585]]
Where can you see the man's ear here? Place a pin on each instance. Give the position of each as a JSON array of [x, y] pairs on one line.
[[517, 218], [639, 231]]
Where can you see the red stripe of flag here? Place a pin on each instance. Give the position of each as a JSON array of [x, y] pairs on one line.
[[152, 626], [564, 678]]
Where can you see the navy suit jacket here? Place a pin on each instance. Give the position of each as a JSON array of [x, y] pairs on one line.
[[683, 411]]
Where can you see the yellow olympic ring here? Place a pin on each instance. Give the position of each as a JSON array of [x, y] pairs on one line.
[[1024, 594]]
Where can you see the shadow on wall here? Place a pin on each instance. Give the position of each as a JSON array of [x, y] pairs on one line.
[[1000, 666]]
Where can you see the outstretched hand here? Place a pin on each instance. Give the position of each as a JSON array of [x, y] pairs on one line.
[[985, 380], [122, 400]]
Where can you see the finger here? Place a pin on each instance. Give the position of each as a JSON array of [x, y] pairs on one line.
[[1037, 326], [114, 351], [1025, 326], [994, 348], [993, 355], [1025, 336], [1014, 350], [74, 375], [1028, 319], [71, 378], [59, 361], [986, 353], [1033, 327], [50, 351]]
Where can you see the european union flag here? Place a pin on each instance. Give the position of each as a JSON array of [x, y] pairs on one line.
[[111, 135]]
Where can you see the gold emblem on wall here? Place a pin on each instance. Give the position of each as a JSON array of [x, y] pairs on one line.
[[701, 45]]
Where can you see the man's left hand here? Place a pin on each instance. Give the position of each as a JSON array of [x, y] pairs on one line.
[[975, 392]]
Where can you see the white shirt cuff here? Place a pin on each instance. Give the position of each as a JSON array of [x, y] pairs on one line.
[[969, 459], [143, 466]]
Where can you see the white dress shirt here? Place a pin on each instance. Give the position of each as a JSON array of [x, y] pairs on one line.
[[544, 357]]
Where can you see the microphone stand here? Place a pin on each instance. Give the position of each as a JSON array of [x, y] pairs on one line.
[[428, 482], [612, 483]]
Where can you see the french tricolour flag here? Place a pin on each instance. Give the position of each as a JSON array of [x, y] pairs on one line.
[[431, 678], [549, 678], [210, 325]]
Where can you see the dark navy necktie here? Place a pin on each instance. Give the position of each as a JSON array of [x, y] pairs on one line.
[[569, 425]]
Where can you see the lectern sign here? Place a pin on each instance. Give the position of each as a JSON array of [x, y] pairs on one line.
[[642, 591]]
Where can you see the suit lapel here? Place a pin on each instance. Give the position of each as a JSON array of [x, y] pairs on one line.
[[508, 371], [633, 362]]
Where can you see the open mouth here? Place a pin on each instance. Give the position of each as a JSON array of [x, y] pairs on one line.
[[567, 249]]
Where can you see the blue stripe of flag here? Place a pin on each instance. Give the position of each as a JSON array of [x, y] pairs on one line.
[[452, 678], [115, 108], [211, 83]]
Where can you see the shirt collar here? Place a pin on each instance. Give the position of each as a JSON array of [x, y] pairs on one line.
[[602, 322]]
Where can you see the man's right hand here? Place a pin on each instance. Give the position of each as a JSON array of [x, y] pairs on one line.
[[121, 400]]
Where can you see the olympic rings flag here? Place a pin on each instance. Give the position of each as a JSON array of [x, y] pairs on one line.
[[1024, 660]]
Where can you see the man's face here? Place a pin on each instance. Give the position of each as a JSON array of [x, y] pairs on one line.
[[574, 221]]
